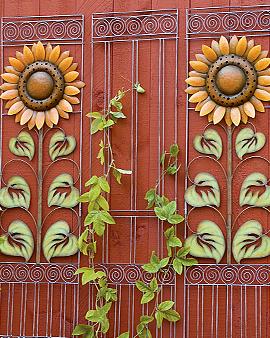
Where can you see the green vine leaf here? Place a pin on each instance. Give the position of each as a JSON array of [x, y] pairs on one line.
[[211, 197], [142, 327], [18, 241], [247, 141], [207, 242], [209, 143], [165, 311], [252, 197], [155, 263], [61, 145], [124, 335], [100, 316], [20, 198], [181, 260], [86, 331], [147, 290], [64, 199], [250, 242], [139, 89], [59, 241], [22, 145], [172, 241]]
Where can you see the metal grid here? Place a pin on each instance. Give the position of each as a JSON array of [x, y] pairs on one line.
[[140, 34], [44, 296], [224, 300]]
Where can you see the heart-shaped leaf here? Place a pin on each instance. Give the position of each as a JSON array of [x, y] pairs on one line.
[[59, 242], [250, 242], [20, 198], [18, 241], [255, 198], [22, 145], [209, 143], [208, 242], [248, 142], [63, 199], [211, 197], [61, 145]]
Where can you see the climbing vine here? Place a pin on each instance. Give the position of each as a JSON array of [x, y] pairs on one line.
[[99, 215]]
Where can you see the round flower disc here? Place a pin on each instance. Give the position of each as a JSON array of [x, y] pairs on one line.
[[230, 80], [41, 85]]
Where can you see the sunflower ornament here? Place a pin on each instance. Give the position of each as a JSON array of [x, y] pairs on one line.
[[40, 85], [230, 80]]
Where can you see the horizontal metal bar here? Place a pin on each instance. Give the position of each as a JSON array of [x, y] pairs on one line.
[[141, 11]]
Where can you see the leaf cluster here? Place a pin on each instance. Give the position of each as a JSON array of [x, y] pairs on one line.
[[168, 160], [103, 121]]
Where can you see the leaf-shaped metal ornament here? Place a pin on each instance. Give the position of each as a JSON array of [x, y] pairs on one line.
[[247, 141], [63, 199], [209, 143], [15, 199], [250, 242], [207, 242], [61, 145], [22, 145], [18, 241], [255, 198], [211, 197], [59, 242]]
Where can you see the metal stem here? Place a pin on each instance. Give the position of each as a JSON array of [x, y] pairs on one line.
[[39, 221], [229, 195]]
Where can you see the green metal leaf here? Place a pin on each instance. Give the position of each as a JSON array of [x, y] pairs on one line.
[[61, 145], [248, 142], [18, 241], [15, 199], [211, 197], [250, 242], [63, 199], [59, 241], [207, 242], [209, 143], [22, 145], [252, 197]]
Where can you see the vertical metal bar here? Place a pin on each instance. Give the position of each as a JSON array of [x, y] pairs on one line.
[[212, 311], [40, 191], [256, 310], [229, 194], [217, 311], [132, 255]]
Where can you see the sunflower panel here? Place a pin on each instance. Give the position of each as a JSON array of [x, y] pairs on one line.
[[41, 166], [227, 182]]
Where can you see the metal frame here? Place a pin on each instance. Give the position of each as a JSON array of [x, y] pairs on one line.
[[224, 280], [132, 29], [41, 278]]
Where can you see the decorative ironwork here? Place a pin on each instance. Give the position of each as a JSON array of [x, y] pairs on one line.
[[37, 273], [67, 29], [235, 283], [223, 21], [221, 274], [27, 149], [40, 85], [229, 80], [145, 24]]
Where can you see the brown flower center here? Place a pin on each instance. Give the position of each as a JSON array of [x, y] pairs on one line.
[[40, 85], [230, 80]]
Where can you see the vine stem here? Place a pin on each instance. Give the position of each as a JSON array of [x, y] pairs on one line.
[[40, 188], [229, 195]]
